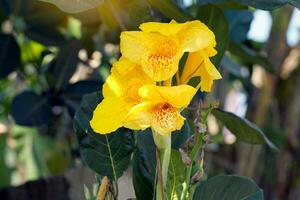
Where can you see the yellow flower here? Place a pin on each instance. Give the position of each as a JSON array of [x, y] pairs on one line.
[[159, 46], [120, 93], [160, 108], [199, 64]]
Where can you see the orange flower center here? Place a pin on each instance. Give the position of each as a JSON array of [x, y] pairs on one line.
[[164, 116], [162, 59]]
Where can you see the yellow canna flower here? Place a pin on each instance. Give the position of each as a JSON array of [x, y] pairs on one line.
[[159, 46], [120, 93], [199, 64], [160, 108]]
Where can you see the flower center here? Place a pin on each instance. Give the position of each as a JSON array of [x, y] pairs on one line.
[[164, 118], [161, 61]]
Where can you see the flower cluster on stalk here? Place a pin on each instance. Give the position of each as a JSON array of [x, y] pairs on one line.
[[145, 88]]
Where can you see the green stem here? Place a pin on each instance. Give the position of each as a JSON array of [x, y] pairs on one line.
[[163, 144], [193, 154]]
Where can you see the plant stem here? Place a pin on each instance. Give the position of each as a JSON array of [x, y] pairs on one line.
[[193, 154], [163, 144]]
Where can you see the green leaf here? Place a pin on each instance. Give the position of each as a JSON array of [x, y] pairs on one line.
[[108, 155], [143, 182], [64, 65], [243, 129], [32, 151], [261, 4], [38, 25], [249, 56], [228, 187], [170, 10], [75, 6], [239, 24], [10, 57], [176, 175], [214, 18], [73, 93], [5, 171], [30, 109]]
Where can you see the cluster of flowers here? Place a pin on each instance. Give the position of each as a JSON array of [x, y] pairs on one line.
[[141, 91]]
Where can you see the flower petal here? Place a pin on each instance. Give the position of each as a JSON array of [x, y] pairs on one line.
[[117, 84], [208, 74], [158, 55], [199, 64], [191, 68], [166, 29], [139, 117], [165, 119], [195, 36], [178, 96], [109, 115], [134, 45]]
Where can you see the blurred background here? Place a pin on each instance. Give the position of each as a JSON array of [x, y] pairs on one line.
[[50, 59]]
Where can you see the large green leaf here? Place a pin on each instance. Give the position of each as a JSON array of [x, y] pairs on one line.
[[30, 109], [34, 19], [169, 10], [243, 129], [228, 187], [214, 18], [64, 65], [249, 56], [108, 155], [9, 55], [75, 6], [261, 4], [73, 93], [143, 182], [176, 175], [239, 24]]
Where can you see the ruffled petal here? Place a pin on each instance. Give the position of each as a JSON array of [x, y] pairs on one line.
[[178, 96], [109, 115]]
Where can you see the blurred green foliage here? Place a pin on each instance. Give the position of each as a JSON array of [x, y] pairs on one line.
[[50, 59]]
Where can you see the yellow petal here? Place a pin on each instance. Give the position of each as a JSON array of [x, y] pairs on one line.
[[109, 115], [208, 74], [125, 80], [211, 69], [167, 29], [191, 68], [124, 66], [157, 54], [139, 117], [134, 45], [198, 64], [195, 36], [165, 119], [178, 96]]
